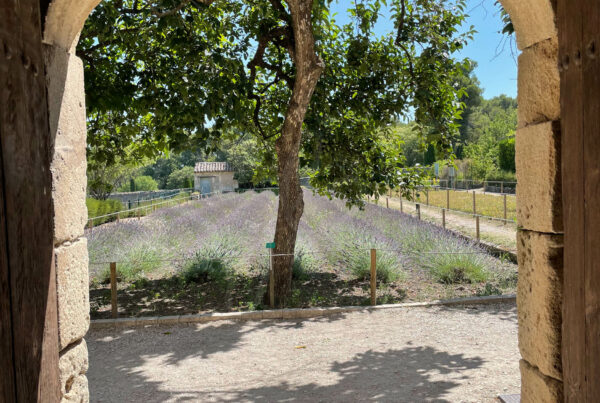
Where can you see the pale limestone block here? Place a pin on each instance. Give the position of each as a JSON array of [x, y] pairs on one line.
[[79, 392], [537, 388], [539, 189], [72, 364], [539, 83], [66, 108], [539, 300], [73, 291], [533, 20], [65, 20]]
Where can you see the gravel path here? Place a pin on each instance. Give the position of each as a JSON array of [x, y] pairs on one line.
[[496, 232], [454, 354]]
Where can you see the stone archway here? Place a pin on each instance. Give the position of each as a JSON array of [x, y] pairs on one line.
[[540, 241], [539, 200]]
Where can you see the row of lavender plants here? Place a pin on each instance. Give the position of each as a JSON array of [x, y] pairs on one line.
[[227, 228], [215, 237]]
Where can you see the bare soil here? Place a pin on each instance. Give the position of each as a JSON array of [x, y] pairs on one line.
[[171, 296], [442, 354]]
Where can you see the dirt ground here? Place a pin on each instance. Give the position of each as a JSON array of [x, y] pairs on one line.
[[495, 232], [458, 354]]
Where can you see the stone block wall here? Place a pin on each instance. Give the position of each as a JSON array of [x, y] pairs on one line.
[[539, 214], [64, 72], [539, 201]]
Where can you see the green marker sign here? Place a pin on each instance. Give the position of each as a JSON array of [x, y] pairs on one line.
[[270, 245]]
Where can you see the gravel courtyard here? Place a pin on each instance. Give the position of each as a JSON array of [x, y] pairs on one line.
[[454, 354]]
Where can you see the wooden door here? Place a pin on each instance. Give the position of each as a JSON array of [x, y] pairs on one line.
[[28, 312], [579, 58]]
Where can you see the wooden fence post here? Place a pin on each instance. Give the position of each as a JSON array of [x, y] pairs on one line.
[[118, 214], [448, 199], [427, 196], [418, 206], [401, 204], [474, 205], [444, 218], [373, 276], [502, 187], [113, 289], [91, 224], [387, 202], [504, 196], [271, 280], [477, 226]]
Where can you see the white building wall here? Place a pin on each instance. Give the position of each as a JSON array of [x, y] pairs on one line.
[[220, 181]]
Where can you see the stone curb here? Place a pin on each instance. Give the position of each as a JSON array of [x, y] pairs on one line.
[[298, 313]]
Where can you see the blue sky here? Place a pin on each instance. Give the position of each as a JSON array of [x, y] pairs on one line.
[[496, 63]]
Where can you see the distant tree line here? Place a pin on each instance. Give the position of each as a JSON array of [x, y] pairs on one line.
[[485, 147]]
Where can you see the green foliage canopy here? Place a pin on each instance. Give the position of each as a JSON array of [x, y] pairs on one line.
[[140, 183], [167, 75], [181, 179]]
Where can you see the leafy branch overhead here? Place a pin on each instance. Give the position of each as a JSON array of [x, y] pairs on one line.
[[171, 74]]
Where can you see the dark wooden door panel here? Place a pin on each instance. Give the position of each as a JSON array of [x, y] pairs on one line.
[[578, 27], [591, 134], [573, 348], [27, 279]]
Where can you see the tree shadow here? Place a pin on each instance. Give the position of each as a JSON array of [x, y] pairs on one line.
[[117, 355], [504, 310], [405, 375], [410, 374]]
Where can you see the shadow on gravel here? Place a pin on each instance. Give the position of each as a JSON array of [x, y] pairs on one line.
[[117, 355], [410, 374], [504, 311], [394, 375]]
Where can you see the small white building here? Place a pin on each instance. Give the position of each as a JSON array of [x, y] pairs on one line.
[[212, 177]]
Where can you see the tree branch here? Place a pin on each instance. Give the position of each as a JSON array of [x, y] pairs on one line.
[[157, 12], [274, 36], [398, 40]]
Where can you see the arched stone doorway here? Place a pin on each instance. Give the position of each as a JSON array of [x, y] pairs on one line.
[[539, 193]]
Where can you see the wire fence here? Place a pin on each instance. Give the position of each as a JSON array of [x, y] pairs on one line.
[[445, 220], [137, 211], [113, 267], [314, 252], [151, 205], [490, 186], [168, 195], [469, 203]]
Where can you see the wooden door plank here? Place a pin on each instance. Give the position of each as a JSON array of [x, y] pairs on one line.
[[569, 19], [7, 380], [25, 147], [591, 132]]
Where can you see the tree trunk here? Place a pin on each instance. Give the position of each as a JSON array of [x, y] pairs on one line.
[[291, 204]]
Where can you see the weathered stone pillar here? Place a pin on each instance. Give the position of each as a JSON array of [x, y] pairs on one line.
[[66, 95], [539, 201]]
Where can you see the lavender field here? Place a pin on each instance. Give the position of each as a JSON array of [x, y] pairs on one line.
[[210, 255]]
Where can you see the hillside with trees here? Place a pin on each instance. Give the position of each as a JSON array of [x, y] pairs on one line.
[[485, 147]]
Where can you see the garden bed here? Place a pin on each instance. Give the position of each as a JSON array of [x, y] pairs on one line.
[[209, 256]]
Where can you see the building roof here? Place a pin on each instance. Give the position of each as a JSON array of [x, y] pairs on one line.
[[212, 167]]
